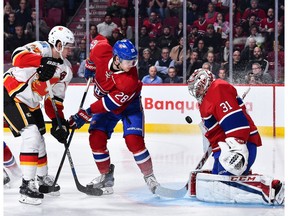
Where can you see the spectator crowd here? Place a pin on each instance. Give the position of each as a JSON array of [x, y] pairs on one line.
[[161, 53]]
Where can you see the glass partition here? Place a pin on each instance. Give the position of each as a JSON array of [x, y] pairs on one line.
[[239, 41]]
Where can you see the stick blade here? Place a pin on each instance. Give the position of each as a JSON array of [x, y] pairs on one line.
[[171, 193], [89, 191], [94, 192], [47, 189]]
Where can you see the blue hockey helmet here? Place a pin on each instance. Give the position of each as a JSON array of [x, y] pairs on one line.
[[125, 50]]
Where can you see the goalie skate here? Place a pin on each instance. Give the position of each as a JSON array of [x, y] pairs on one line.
[[47, 181], [151, 182], [105, 182], [29, 193]]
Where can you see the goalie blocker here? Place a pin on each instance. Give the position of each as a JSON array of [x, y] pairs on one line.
[[255, 189]]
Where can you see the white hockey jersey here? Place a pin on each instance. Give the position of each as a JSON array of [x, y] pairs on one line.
[[21, 81]]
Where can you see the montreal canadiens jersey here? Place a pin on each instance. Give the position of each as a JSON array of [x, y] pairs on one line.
[[113, 89], [21, 81], [224, 115]]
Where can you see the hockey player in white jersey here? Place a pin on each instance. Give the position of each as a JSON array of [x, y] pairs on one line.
[[25, 86]]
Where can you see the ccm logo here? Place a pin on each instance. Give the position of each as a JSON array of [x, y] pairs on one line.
[[243, 178]]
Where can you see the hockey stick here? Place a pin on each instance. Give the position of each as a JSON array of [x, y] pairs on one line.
[[171, 193], [81, 188], [167, 192], [246, 92]]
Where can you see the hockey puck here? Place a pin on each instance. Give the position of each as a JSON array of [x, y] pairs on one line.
[[188, 119]]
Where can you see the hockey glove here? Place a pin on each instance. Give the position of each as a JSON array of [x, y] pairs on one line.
[[88, 73], [89, 69], [80, 118], [60, 134], [47, 68], [234, 155]]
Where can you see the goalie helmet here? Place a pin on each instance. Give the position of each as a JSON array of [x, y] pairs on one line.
[[62, 34], [199, 82]]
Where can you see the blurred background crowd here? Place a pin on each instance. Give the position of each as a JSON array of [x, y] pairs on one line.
[[257, 35]]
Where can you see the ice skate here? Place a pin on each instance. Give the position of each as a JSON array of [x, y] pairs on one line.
[[279, 193], [48, 181], [151, 182], [29, 193], [6, 177], [105, 182]]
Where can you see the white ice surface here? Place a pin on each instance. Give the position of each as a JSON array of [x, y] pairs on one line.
[[173, 155]]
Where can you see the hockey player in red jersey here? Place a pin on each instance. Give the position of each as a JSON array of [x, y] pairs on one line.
[[10, 164], [231, 133], [118, 90], [226, 120], [25, 86]]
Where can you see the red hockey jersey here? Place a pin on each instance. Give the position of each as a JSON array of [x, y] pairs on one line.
[[114, 89], [224, 115]]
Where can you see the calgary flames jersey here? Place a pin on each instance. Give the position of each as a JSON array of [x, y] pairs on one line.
[[21, 81], [224, 115], [114, 89]]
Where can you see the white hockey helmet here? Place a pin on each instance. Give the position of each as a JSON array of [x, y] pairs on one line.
[[199, 82], [62, 34]]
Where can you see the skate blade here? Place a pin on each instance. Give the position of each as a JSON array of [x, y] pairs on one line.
[[29, 200]]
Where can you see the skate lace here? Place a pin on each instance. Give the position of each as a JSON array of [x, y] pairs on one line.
[[32, 186], [46, 180], [98, 179], [104, 180], [151, 181]]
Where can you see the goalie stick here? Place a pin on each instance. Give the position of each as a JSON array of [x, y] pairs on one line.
[[180, 193], [167, 192], [81, 188]]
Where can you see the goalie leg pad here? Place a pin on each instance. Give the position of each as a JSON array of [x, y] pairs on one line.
[[255, 189], [192, 181]]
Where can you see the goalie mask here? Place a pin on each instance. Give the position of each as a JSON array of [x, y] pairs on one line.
[[199, 82]]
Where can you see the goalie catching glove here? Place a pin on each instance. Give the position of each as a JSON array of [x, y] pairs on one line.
[[47, 68], [234, 155], [60, 134], [80, 118]]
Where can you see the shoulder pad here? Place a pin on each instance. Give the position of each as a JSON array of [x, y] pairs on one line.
[[38, 47]]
